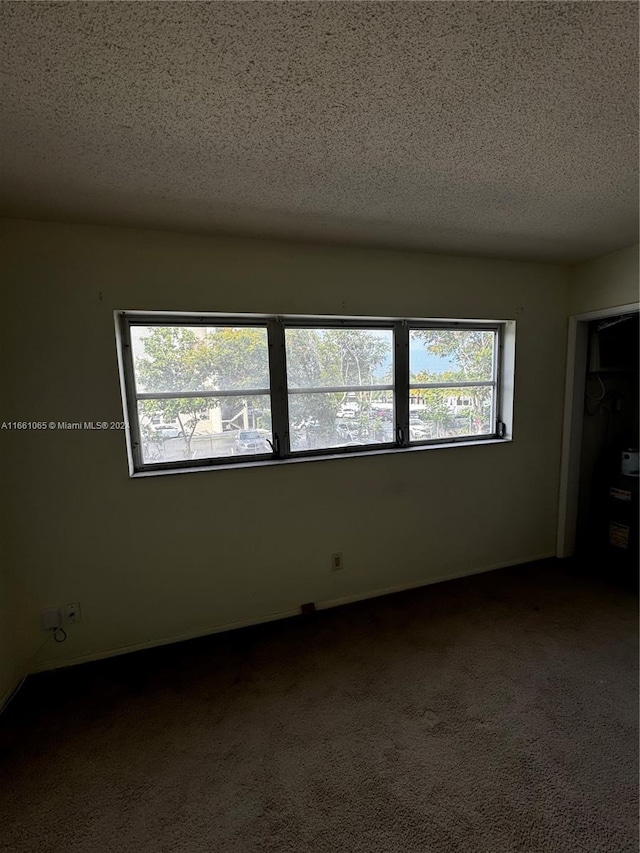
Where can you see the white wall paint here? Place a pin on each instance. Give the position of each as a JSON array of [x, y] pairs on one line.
[[168, 556], [604, 282], [13, 656]]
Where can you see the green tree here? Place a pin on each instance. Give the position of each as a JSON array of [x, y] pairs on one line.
[[470, 352], [238, 357], [179, 359], [190, 359], [356, 353], [175, 359], [470, 356], [330, 358], [438, 412]]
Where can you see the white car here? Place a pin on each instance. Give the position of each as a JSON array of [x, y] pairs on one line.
[[251, 441], [417, 429]]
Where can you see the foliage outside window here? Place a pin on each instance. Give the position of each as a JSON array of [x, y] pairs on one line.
[[454, 393], [228, 366], [226, 390], [337, 381]]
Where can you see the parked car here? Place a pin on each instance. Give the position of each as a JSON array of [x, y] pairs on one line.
[[251, 441], [348, 410], [417, 429], [383, 414]]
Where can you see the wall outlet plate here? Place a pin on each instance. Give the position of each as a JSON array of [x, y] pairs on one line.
[[337, 563], [72, 612]]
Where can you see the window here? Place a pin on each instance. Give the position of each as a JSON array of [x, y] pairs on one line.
[[453, 382], [338, 380], [208, 390], [200, 391]]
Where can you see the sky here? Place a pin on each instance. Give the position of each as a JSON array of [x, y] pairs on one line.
[[420, 360]]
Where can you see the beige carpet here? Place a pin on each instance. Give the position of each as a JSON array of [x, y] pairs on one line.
[[496, 713]]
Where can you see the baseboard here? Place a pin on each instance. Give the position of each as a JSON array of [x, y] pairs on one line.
[[282, 614], [46, 666], [11, 693], [351, 599]]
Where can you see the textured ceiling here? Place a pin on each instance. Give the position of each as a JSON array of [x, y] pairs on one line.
[[498, 129]]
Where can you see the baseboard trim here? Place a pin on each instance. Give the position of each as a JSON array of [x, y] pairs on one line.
[[46, 666], [11, 693], [351, 599]]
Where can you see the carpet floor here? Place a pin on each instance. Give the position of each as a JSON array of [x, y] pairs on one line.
[[495, 713]]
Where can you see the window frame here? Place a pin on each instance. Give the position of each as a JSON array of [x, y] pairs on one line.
[[495, 382], [132, 397], [278, 391], [319, 322]]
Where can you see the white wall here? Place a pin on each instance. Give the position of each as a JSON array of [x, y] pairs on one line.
[[13, 656], [155, 558], [18, 639], [604, 282]]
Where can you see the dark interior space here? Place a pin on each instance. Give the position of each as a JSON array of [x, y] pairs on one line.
[[608, 503]]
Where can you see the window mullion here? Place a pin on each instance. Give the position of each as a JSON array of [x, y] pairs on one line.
[[425, 386], [129, 398], [401, 381], [497, 369], [279, 393]]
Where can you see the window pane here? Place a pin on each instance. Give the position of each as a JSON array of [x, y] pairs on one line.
[[199, 358], [448, 355], [325, 358], [340, 420], [450, 412], [204, 428]]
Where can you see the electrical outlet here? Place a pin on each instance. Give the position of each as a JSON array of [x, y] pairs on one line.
[[337, 563], [72, 612]]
